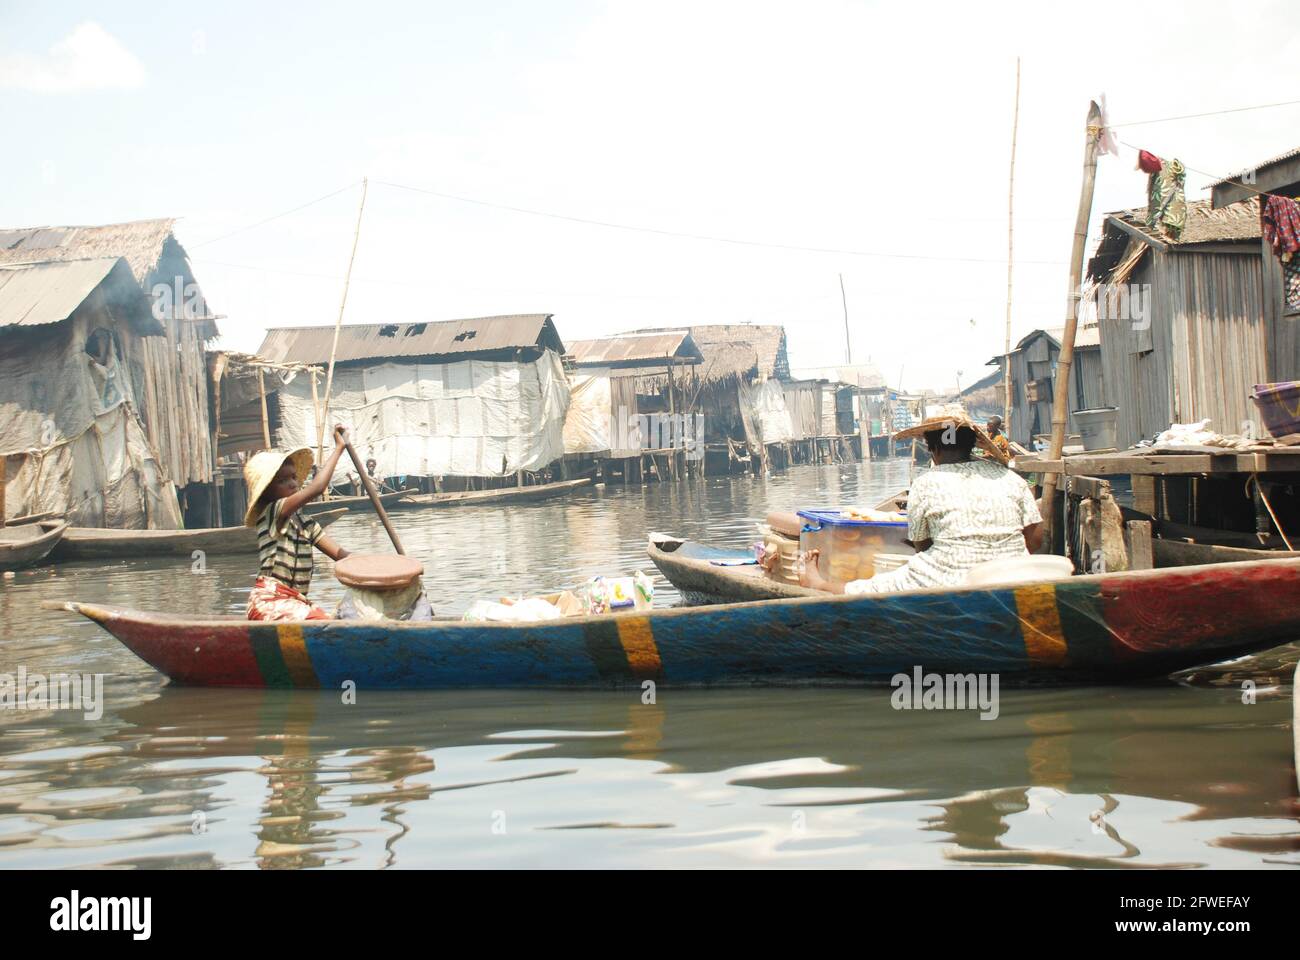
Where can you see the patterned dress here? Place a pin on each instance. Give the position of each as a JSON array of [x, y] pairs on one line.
[[973, 512], [285, 561]]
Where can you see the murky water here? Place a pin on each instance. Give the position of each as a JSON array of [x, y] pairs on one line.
[[1167, 774]]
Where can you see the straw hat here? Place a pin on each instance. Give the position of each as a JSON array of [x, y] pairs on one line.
[[260, 471], [954, 419]]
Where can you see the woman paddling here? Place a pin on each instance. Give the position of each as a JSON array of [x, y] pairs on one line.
[[284, 537], [961, 512]]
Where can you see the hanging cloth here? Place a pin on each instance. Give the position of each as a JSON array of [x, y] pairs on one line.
[[1166, 201], [1149, 162], [1279, 221]]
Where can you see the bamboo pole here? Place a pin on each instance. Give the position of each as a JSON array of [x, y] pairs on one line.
[[848, 345], [373, 494], [4, 466], [1011, 196], [1064, 362], [329, 376]]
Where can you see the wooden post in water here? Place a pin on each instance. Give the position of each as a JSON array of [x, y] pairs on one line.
[[1011, 196], [4, 468], [1064, 362]]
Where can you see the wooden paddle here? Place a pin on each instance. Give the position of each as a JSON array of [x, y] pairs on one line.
[[374, 495]]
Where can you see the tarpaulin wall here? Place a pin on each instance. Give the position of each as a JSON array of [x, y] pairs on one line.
[[70, 432], [469, 418]]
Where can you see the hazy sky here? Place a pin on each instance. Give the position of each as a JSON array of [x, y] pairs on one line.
[[877, 128]]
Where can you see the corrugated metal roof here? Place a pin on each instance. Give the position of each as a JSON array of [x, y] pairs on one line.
[[381, 341], [739, 350], [636, 348], [32, 294], [1258, 167]]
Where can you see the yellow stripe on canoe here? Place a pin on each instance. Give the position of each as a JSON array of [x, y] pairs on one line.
[[293, 648], [638, 642], [1040, 622]]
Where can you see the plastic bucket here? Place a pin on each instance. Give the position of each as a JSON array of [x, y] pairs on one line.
[[1097, 427], [1279, 407]]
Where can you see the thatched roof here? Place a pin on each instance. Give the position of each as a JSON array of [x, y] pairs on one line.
[[741, 350], [1125, 235], [144, 244], [140, 243]]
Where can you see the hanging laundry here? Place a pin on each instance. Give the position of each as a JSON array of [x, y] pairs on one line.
[[1149, 162], [1279, 221], [1166, 201]]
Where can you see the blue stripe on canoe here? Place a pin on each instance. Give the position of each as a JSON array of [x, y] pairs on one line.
[[874, 638], [973, 632], [434, 656]]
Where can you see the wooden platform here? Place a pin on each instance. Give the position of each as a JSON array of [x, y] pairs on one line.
[[1169, 461]]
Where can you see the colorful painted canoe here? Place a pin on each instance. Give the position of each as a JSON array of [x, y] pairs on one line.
[[1104, 627], [95, 543]]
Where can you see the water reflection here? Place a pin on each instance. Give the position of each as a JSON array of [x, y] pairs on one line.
[[1156, 775]]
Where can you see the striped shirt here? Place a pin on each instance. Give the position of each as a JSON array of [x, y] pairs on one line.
[[286, 554]]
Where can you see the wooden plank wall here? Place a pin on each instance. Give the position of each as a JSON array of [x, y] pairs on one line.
[[1135, 379], [175, 387], [1219, 336]]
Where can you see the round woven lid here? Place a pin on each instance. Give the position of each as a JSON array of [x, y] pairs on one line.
[[378, 571]]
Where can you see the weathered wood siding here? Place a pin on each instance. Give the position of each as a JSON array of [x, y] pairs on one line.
[[1136, 362], [1205, 348]]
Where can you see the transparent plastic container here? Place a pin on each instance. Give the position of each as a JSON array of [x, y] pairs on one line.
[[847, 548]]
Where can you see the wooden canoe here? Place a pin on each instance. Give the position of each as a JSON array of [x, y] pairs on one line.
[[317, 507], [94, 543], [465, 498], [28, 544], [689, 567], [1104, 627]]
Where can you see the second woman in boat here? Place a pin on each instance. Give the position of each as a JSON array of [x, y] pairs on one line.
[[285, 538], [962, 512]]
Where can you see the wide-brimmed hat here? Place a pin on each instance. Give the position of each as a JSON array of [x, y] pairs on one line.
[[954, 419], [260, 471]]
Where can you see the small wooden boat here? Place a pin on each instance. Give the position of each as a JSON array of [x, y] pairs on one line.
[[317, 507], [29, 543], [94, 543], [704, 574], [1103, 627], [465, 498]]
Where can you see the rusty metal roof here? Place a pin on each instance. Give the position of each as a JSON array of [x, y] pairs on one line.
[[49, 291], [382, 341], [636, 349]]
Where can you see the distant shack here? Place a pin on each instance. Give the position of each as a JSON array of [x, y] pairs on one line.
[[171, 390], [1034, 381], [75, 338], [479, 398], [740, 393], [616, 380]]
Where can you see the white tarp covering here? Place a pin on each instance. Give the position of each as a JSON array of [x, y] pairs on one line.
[[587, 426], [71, 437], [469, 418], [770, 417]]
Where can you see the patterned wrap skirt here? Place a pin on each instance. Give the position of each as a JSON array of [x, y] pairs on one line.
[[272, 600]]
